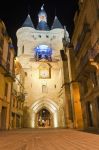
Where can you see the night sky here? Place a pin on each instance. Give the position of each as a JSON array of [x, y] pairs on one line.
[[14, 13]]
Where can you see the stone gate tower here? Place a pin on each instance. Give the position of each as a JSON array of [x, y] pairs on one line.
[[39, 53]]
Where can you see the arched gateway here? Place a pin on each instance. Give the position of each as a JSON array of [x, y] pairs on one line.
[[49, 106]]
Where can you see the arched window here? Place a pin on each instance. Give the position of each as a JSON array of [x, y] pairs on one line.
[[22, 49]]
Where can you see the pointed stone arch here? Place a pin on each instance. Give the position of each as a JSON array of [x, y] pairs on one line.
[[48, 104]]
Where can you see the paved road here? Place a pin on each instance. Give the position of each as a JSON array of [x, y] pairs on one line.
[[48, 139]]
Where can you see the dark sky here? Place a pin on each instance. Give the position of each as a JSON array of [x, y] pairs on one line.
[[13, 13]]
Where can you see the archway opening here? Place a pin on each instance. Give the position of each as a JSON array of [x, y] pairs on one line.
[[44, 118], [43, 52], [50, 106]]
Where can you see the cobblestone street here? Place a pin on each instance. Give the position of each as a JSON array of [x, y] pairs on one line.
[[48, 139]]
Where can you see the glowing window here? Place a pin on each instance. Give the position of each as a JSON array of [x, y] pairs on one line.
[[43, 51]]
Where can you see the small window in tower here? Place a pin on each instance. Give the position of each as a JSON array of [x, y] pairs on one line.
[[22, 49], [39, 36], [6, 89], [44, 89], [54, 36], [25, 73], [14, 102], [47, 36]]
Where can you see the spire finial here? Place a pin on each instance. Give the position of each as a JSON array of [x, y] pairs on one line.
[[55, 11], [42, 7], [28, 9]]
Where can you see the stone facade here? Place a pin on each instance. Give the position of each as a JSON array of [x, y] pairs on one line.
[[6, 76], [56, 81], [44, 73], [18, 97], [85, 40]]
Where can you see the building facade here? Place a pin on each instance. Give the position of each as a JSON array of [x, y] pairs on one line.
[[18, 97], [6, 76], [85, 40], [41, 54]]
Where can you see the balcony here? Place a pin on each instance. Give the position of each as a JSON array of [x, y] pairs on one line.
[[19, 112], [94, 52], [2, 65], [10, 76], [85, 66], [4, 69], [21, 97]]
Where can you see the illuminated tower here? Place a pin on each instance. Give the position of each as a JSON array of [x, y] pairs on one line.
[[40, 57]]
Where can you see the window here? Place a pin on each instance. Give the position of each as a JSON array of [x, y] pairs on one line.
[[13, 102], [44, 89], [39, 36], [85, 87], [21, 105], [81, 37], [8, 57], [1, 43], [94, 78], [98, 103], [22, 49], [1, 52], [6, 89], [47, 36], [54, 36], [90, 114], [17, 104]]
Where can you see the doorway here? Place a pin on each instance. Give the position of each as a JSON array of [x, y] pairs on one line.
[[3, 117], [44, 118], [90, 114]]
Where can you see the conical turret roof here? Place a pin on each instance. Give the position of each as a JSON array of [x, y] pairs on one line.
[[42, 12], [56, 23], [28, 22]]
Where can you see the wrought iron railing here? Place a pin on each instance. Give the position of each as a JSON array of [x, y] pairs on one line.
[[21, 96], [89, 56], [6, 66], [2, 62]]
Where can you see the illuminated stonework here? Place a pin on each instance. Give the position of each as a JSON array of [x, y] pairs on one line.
[[40, 56], [44, 71]]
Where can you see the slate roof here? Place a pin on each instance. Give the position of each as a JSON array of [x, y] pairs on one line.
[[42, 25], [28, 22], [56, 23]]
